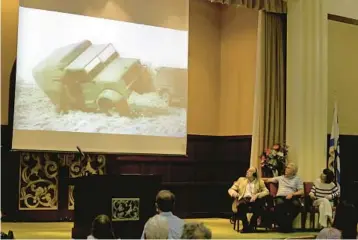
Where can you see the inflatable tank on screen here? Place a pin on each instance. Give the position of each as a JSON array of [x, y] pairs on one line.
[[89, 77], [171, 85]]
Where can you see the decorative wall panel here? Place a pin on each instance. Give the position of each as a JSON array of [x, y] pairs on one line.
[[125, 209], [38, 182]]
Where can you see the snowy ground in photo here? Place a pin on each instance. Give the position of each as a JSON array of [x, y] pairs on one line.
[[35, 111]]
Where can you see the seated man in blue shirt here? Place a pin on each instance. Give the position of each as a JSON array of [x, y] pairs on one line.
[[290, 189], [165, 202]]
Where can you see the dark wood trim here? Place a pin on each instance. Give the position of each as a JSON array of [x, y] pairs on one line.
[[342, 19]]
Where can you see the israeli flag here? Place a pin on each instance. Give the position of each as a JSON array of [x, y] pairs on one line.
[[334, 162]]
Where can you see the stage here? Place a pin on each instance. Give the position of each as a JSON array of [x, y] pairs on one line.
[[221, 229]]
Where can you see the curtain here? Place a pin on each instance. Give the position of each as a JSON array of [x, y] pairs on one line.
[[270, 87], [275, 6]]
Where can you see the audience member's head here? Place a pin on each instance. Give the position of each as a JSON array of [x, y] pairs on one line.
[[345, 220], [196, 231], [102, 227], [156, 228], [291, 169], [327, 176], [9, 235], [329, 233], [165, 201]]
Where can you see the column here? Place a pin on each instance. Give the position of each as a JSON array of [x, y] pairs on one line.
[[307, 81]]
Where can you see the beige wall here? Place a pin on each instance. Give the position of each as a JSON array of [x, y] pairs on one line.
[[222, 50], [345, 8], [204, 68], [238, 70], [9, 10], [343, 75]]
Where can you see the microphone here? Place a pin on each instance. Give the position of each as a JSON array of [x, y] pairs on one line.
[[80, 151]]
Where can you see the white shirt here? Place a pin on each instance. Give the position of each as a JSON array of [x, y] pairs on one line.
[[176, 225], [250, 189]]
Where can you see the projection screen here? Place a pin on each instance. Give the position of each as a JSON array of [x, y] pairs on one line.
[[109, 77]]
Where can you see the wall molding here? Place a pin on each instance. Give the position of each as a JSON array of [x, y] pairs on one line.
[[342, 19]]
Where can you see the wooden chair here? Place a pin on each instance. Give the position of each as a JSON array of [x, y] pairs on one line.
[[312, 210]]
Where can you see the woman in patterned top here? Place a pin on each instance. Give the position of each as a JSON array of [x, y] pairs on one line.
[[323, 192]]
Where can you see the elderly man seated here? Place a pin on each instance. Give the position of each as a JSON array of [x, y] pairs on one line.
[[288, 205], [248, 192]]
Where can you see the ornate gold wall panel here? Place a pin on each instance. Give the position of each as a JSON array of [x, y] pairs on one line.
[[38, 184]]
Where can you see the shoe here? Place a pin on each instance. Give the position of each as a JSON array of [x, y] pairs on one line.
[[246, 230], [285, 229]]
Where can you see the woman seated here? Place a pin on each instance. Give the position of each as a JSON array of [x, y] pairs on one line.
[[323, 193]]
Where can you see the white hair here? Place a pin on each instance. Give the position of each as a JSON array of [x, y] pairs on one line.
[[156, 228], [329, 233], [196, 231], [294, 166]]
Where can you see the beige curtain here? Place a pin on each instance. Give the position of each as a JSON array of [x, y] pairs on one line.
[[275, 6], [270, 95]]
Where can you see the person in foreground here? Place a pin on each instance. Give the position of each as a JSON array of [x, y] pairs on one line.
[[102, 228], [345, 220], [329, 233], [156, 228], [248, 191], [196, 231], [165, 202], [290, 189], [323, 192]]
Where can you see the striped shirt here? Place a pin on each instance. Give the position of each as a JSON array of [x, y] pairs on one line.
[[288, 185], [322, 190]]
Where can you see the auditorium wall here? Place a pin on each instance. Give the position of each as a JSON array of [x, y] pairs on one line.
[[9, 20], [342, 87], [238, 70], [218, 150], [343, 75]]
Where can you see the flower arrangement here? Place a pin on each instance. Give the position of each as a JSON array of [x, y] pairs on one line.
[[273, 160]]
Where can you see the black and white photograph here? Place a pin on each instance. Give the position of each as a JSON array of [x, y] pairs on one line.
[[93, 75], [125, 209]]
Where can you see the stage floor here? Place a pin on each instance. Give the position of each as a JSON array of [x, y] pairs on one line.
[[221, 228]]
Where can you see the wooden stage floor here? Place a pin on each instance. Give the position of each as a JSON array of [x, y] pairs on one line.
[[221, 229]]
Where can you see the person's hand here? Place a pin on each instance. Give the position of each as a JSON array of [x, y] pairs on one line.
[[329, 197], [312, 196], [235, 195], [253, 198], [289, 196]]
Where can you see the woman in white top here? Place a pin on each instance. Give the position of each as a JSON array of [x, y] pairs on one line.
[[323, 192]]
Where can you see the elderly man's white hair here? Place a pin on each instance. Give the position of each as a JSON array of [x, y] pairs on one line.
[[329, 233], [294, 166], [156, 228]]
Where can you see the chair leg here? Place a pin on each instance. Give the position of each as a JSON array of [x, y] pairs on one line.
[[313, 217], [303, 220]]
